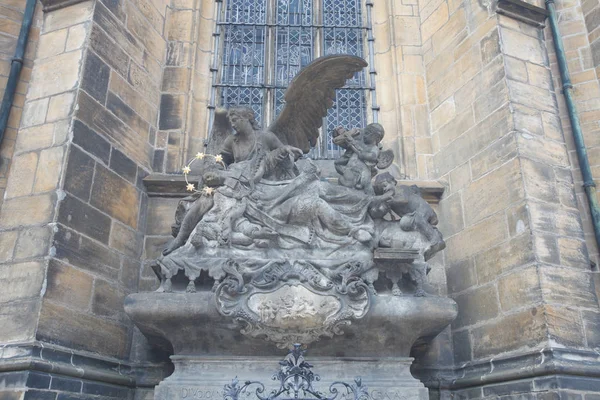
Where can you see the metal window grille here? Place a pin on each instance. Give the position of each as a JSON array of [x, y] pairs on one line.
[[264, 43]]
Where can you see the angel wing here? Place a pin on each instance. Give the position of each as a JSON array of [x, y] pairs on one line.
[[221, 129], [308, 97], [385, 159]]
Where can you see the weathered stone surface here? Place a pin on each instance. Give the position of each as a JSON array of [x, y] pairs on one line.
[[521, 46], [476, 305], [125, 240], [95, 77], [22, 175], [68, 286], [90, 141], [109, 51], [508, 177], [499, 153], [476, 238], [555, 219], [79, 174], [60, 106], [452, 210], [34, 113], [68, 16], [573, 253], [86, 254], [565, 325], [21, 281], [35, 138], [116, 197], [33, 242], [434, 22], [78, 330], [32, 210], [519, 288], [108, 300], [172, 110], [84, 218], [540, 181], [160, 215], [7, 245], [132, 98], [105, 123], [127, 115], [123, 165], [49, 169], [567, 287], [503, 257], [55, 75], [524, 328]]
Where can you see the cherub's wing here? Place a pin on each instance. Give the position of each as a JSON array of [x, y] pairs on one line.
[[308, 97], [385, 159], [221, 129]]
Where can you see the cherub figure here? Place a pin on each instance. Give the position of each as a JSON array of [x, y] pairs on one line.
[[414, 212], [363, 156]]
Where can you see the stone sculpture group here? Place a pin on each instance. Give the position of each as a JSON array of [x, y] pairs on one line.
[[293, 256]]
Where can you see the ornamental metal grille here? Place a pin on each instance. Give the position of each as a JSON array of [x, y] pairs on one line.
[[265, 43]]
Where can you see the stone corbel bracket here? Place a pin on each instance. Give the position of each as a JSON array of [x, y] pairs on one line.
[[173, 186], [51, 5], [519, 10]]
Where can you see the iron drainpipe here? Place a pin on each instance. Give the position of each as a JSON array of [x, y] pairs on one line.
[[16, 66], [584, 164]]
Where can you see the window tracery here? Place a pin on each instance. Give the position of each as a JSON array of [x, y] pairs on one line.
[[265, 43]]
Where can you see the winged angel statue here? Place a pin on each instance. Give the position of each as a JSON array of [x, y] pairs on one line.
[[263, 208]]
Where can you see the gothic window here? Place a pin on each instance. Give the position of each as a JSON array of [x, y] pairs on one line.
[[264, 43]]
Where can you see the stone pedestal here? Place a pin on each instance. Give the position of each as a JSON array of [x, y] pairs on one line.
[[210, 350], [198, 377]]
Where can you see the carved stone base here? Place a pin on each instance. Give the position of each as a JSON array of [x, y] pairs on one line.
[[204, 378]]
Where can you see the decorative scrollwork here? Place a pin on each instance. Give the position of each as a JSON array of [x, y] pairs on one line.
[[296, 380]]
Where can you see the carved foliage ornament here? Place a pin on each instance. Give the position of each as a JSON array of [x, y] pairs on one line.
[[293, 301], [296, 382]]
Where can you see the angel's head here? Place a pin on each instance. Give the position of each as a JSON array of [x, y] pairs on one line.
[[384, 183], [373, 133], [242, 120]]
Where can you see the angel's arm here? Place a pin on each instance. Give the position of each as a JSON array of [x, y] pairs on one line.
[[227, 151]]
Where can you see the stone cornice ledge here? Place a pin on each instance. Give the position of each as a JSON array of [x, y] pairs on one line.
[[536, 364], [51, 5], [522, 11], [173, 186]]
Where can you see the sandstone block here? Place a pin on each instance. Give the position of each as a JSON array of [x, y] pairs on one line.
[[69, 286], [52, 43], [8, 241], [35, 138], [573, 253], [565, 325], [461, 276], [540, 181], [539, 76], [494, 156], [133, 99], [130, 274], [123, 165], [82, 331], [34, 113], [532, 96], [451, 208], [151, 14], [18, 320], [22, 175], [179, 25], [108, 300], [77, 36], [528, 120], [407, 31], [444, 113], [90, 141], [567, 287], [554, 153], [152, 40], [60, 106], [476, 238], [49, 169], [115, 196], [125, 240], [516, 69], [21, 281], [524, 328], [33, 242], [451, 33], [86, 254], [143, 83], [114, 55], [504, 257], [519, 289], [24, 211], [490, 47], [555, 220], [105, 123], [95, 77], [482, 196], [85, 219], [522, 46], [68, 16], [476, 305], [161, 215], [55, 75]]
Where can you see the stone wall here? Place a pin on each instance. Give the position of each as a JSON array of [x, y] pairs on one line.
[[11, 17], [74, 215]]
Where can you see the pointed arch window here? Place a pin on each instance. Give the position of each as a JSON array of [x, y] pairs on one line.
[[264, 43]]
